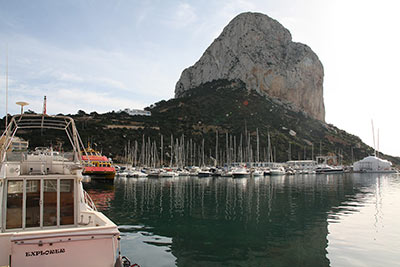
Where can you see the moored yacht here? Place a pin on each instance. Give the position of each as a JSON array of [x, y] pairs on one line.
[[325, 168], [204, 172], [97, 165], [167, 172], [277, 171], [257, 172], [240, 172], [46, 217]]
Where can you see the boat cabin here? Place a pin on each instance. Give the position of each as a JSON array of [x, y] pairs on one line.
[[99, 164], [38, 189], [44, 209]]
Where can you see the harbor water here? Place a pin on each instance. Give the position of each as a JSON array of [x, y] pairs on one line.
[[302, 220]]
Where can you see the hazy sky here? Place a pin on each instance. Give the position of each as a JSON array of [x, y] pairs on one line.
[[102, 55]]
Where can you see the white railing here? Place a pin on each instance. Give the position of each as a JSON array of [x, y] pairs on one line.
[[88, 201]]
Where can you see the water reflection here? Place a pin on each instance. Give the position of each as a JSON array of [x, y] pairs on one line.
[[101, 193], [233, 221], [263, 221], [363, 231]]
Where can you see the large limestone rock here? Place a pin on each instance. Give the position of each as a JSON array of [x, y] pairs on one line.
[[259, 51]]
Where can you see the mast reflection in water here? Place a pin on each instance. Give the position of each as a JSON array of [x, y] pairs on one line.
[[266, 221]]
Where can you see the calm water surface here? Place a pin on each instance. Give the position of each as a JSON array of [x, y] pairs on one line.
[[308, 220]]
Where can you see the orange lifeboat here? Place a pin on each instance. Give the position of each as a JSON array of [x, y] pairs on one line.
[[96, 165]]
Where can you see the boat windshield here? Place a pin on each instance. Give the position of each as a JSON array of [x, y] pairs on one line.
[[19, 156]]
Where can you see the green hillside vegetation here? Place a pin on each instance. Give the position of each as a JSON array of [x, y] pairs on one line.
[[220, 108]]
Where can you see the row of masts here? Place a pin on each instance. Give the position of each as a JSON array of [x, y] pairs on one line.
[[182, 151]]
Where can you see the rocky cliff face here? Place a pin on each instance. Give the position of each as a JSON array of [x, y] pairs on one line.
[[259, 51]]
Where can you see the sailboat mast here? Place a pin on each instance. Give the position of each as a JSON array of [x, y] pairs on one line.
[[216, 148], [373, 136], [258, 147], [7, 87], [162, 151], [227, 146], [377, 145], [202, 152], [269, 148], [172, 150], [312, 151]]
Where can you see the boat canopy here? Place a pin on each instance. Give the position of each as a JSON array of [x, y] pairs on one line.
[[41, 121]]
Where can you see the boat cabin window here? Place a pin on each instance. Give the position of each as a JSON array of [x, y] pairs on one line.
[[32, 217], [34, 203], [67, 202], [50, 203], [14, 204]]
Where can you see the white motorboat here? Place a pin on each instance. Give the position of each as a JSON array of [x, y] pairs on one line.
[[267, 171], [46, 217], [226, 173], [153, 173], [183, 173], [122, 174], [240, 172], [257, 173], [194, 171], [165, 173], [136, 174], [325, 168], [140, 174], [277, 171], [204, 172], [121, 171]]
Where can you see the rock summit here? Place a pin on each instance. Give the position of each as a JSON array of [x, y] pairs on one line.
[[259, 51]]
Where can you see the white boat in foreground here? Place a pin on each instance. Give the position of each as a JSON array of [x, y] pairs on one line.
[[46, 217]]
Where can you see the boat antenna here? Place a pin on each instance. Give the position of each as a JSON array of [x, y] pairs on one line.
[[373, 136], [22, 104]]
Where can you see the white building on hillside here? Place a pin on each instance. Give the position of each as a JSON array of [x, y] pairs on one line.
[[134, 112]]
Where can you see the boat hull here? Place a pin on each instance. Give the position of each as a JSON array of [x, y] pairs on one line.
[[60, 248], [329, 171], [240, 175], [96, 173], [277, 173], [204, 174]]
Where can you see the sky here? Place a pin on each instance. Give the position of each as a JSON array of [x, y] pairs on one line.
[[102, 55]]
